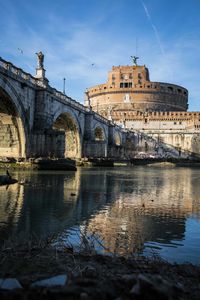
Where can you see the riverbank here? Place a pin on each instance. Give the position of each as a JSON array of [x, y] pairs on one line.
[[71, 165], [175, 162], [92, 276], [40, 164]]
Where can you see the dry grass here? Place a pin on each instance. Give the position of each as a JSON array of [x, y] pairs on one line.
[[37, 259]]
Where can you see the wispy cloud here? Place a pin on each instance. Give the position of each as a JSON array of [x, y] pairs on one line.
[[153, 27], [71, 47]]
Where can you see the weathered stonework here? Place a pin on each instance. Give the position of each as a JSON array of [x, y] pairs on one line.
[[38, 121], [155, 112], [129, 88]]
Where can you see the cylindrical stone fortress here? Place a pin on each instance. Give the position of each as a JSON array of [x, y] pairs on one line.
[[129, 89]]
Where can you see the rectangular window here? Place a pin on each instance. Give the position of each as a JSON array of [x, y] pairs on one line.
[[125, 84]]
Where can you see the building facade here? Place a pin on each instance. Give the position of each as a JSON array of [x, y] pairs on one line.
[[156, 109], [129, 88]]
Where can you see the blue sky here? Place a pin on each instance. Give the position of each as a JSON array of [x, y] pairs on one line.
[[74, 34]]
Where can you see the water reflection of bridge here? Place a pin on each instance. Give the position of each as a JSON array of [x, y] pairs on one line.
[[125, 207]]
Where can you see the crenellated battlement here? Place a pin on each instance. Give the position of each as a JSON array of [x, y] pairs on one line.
[[159, 115], [139, 88], [131, 86]]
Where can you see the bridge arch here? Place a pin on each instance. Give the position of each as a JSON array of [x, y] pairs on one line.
[[13, 122], [68, 122]]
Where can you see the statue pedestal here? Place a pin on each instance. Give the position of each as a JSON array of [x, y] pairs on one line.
[[40, 74]]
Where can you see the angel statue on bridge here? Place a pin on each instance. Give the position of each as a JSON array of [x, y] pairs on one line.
[[40, 57], [134, 59]]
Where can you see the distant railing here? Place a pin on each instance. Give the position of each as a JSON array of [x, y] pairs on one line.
[[68, 100], [101, 118], [8, 66]]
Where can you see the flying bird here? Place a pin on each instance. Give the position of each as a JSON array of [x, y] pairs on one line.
[[20, 50]]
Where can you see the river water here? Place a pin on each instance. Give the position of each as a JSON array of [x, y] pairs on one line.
[[123, 210]]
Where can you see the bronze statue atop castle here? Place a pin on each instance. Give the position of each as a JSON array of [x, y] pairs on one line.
[[134, 59]]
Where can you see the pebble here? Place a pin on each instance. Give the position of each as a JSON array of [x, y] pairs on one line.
[[83, 296], [129, 278], [59, 280], [90, 272], [152, 287], [10, 284]]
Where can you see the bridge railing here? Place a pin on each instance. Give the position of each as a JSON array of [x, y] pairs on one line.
[[101, 118], [9, 67], [66, 99], [76, 104]]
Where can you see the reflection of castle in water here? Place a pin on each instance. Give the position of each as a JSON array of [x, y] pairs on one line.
[[152, 205], [126, 207]]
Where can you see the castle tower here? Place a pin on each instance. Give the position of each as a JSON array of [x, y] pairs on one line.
[[129, 88]]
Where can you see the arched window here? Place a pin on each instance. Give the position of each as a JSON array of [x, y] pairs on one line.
[[99, 134]]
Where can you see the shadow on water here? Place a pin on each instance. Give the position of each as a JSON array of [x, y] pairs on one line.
[[131, 209]]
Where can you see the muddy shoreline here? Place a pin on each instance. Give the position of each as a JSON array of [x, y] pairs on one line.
[[70, 165], [94, 276]]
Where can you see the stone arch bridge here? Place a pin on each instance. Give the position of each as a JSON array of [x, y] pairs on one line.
[[36, 120]]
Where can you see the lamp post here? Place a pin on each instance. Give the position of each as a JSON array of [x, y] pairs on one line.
[[64, 85]]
